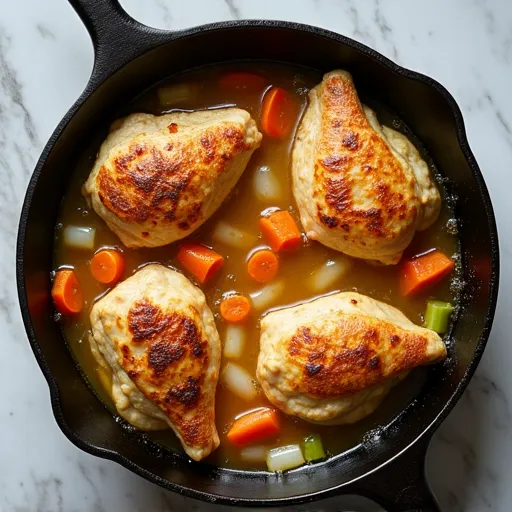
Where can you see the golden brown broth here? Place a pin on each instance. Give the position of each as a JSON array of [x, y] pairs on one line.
[[242, 210]]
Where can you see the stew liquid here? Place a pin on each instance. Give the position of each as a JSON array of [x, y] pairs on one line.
[[198, 90]]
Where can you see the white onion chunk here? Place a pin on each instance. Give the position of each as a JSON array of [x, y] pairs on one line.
[[233, 237], [266, 185], [328, 275], [79, 237], [267, 296], [234, 341], [285, 457], [254, 453], [239, 381]]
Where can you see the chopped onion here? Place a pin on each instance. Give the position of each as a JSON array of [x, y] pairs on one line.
[[238, 381], [79, 237], [266, 185], [327, 275], [175, 94], [254, 453], [267, 296], [234, 237], [234, 341], [285, 457]]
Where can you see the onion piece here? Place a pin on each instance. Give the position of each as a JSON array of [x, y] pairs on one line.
[[239, 382], [79, 237], [267, 296], [254, 453], [326, 276], [233, 237], [175, 94], [266, 185], [285, 457], [234, 341]]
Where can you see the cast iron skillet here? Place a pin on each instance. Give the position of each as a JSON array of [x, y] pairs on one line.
[[388, 466]]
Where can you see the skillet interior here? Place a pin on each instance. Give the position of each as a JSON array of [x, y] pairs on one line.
[[434, 118]]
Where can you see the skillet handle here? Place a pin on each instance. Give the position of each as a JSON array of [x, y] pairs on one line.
[[401, 485], [117, 38]]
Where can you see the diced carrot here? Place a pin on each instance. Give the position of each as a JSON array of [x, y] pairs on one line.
[[107, 266], [424, 271], [235, 308], [67, 293], [281, 231], [250, 82], [200, 261], [263, 266], [254, 426], [279, 112]]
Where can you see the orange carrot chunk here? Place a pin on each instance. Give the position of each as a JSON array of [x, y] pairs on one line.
[[281, 231], [254, 426], [278, 113], [67, 293], [235, 308], [107, 266], [424, 271], [263, 266], [242, 80], [200, 261]]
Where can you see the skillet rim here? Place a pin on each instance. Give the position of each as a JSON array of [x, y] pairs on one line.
[[161, 37]]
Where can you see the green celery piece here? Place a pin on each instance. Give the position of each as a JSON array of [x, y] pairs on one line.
[[437, 317], [313, 448]]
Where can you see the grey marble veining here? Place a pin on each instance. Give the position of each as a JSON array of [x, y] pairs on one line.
[[45, 60]]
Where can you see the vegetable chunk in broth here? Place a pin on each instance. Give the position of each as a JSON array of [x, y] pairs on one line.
[[234, 232]]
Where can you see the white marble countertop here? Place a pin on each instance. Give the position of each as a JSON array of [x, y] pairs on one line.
[[45, 60]]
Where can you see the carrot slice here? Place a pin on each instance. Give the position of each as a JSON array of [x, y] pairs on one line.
[[107, 266], [254, 426], [235, 308], [278, 113], [200, 261], [263, 266], [67, 293], [250, 82], [424, 271], [281, 231]]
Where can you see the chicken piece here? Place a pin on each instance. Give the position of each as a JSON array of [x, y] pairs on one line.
[[361, 188], [333, 360], [158, 178], [157, 335]]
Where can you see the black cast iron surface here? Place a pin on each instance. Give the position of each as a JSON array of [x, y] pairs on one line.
[[388, 466]]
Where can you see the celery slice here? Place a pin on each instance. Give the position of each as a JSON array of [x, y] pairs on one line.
[[313, 448], [437, 317]]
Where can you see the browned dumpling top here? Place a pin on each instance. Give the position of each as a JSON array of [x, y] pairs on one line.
[[361, 188], [158, 178], [157, 335], [335, 358]]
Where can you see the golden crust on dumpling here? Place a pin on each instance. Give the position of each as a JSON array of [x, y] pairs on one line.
[[361, 189], [157, 334], [335, 358], [158, 178]]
